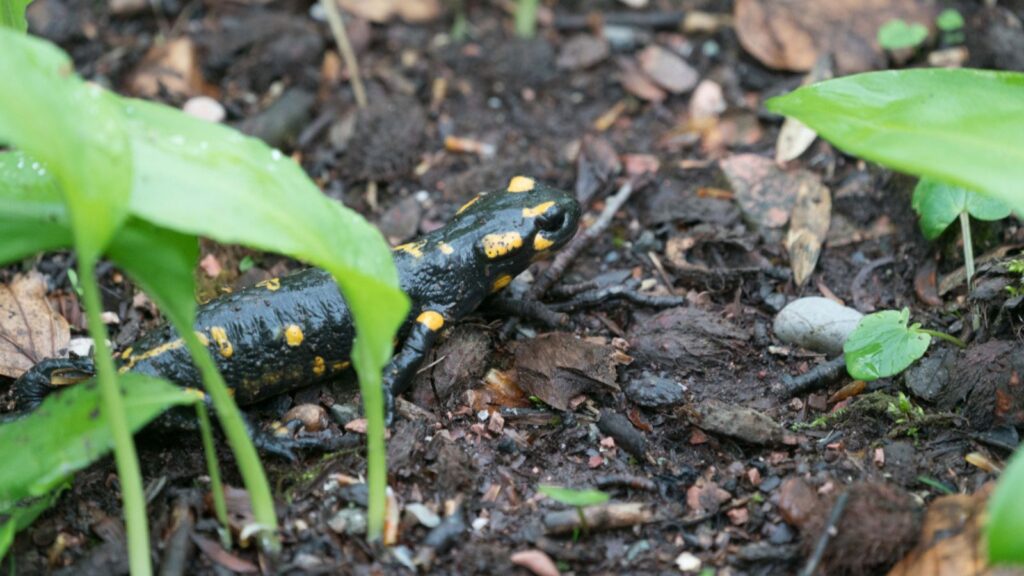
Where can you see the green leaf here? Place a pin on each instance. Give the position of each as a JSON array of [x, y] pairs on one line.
[[570, 497], [1005, 528], [939, 204], [33, 218], [72, 130], [883, 345], [897, 34], [19, 516], [209, 180], [44, 459], [949, 20], [965, 127], [12, 15]]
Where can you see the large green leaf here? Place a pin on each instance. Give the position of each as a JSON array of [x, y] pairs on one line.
[[72, 130], [939, 204], [209, 180], [883, 344], [12, 14], [1006, 515], [41, 459], [965, 127]]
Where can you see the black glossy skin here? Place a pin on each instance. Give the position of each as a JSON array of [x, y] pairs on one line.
[[253, 334]]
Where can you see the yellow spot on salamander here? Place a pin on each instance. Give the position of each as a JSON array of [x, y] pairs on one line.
[[445, 248], [538, 209], [432, 320], [501, 282], [521, 184], [293, 335], [467, 205], [220, 337], [414, 248], [202, 338], [319, 366], [540, 243], [195, 392], [151, 353], [496, 245], [339, 366], [274, 284], [127, 352]]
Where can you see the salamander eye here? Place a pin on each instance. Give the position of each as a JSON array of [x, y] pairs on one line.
[[552, 220]]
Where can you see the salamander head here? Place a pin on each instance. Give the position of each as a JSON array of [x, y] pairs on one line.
[[508, 228]]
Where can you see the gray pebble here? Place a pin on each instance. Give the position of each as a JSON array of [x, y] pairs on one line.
[[816, 323]]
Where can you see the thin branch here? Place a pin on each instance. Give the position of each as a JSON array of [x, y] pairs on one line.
[[345, 47]]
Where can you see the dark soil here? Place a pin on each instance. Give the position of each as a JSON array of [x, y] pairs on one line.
[[729, 471]]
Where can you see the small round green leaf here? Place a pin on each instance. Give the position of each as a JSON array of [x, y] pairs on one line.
[[939, 204], [949, 20], [883, 344], [570, 497], [897, 34]]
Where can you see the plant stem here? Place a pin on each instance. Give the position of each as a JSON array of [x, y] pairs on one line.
[[220, 506], [238, 438], [526, 18], [943, 336], [128, 472], [965, 230], [345, 47], [376, 453]]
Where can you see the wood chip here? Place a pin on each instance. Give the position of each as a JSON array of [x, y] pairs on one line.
[[808, 228]]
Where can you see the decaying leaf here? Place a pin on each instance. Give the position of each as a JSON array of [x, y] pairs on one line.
[[556, 367], [951, 539], [739, 422], [637, 83], [764, 193], [808, 227], [172, 67], [793, 34], [30, 330]]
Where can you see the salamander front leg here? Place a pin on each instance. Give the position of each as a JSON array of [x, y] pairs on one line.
[[398, 374], [47, 376]]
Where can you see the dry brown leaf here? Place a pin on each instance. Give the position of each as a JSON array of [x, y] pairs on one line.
[[952, 542], [793, 34], [381, 11], [30, 330], [808, 227], [557, 366], [637, 83], [173, 67], [667, 69]]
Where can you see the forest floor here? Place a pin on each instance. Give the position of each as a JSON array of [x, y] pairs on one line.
[[681, 413]]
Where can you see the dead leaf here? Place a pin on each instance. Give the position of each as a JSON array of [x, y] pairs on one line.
[[172, 67], [637, 83], [707, 100], [795, 137], [222, 557], [764, 193], [536, 561], [793, 34], [582, 51], [667, 69], [951, 542], [557, 366], [382, 11], [500, 390], [808, 227], [734, 128], [597, 164], [30, 330], [739, 422]]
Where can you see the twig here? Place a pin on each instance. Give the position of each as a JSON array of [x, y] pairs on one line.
[[818, 377], [826, 534], [670, 19], [620, 292], [341, 39], [587, 238]]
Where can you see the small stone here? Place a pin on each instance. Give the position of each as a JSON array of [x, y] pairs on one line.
[[687, 562], [929, 378], [344, 413], [350, 521], [423, 515], [651, 391], [312, 416], [816, 323], [205, 108], [797, 501]]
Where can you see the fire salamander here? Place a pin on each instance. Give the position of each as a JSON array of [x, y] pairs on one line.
[[289, 332]]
